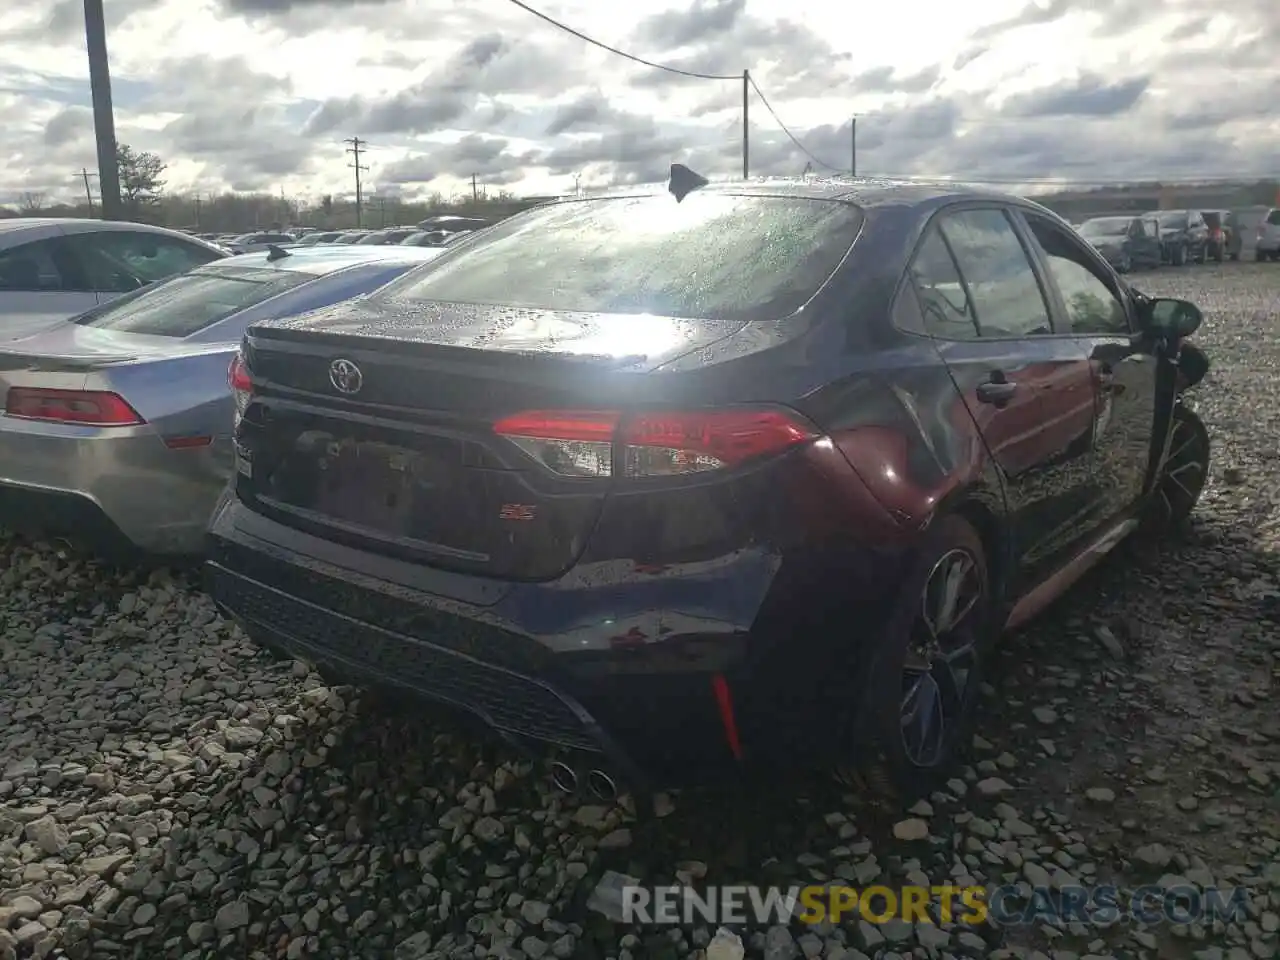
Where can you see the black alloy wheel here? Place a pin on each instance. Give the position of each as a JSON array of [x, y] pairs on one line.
[[1186, 469], [926, 685]]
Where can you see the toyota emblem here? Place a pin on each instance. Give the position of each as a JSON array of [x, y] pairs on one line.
[[345, 377]]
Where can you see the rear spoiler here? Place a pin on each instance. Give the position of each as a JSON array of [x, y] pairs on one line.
[[53, 363]]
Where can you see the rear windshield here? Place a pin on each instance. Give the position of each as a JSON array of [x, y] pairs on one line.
[[186, 304], [1106, 227], [713, 256], [1178, 218]]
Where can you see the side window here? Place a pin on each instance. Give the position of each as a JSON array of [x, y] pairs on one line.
[[1092, 305], [31, 268], [943, 301], [122, 260], [1004, 293], [1273, 218]]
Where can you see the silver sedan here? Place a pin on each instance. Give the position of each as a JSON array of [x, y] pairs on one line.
[[117, 424]]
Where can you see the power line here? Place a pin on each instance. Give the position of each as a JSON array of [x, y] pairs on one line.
[[988, 179], [785, 129], [621, 53]]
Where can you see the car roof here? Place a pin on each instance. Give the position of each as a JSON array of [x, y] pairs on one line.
[[864, 192], [83, 225], [321, 260]]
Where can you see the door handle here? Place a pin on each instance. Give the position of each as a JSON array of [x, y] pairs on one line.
[[998, 392]]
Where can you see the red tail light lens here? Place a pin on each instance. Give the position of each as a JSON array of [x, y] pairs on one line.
[[657, 444], [240, 384], [97, 408]]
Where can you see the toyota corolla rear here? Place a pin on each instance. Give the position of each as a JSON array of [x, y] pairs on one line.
[[565, 479]]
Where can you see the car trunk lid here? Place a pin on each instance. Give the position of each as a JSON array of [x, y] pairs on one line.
[[407, 462]]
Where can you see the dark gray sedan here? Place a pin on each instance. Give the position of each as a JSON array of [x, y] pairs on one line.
[[1127, 242]]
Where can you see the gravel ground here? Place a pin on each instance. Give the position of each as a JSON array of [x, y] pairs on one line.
[[165, 792]]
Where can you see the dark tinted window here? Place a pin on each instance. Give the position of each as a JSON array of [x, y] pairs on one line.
[[714, 255], [1092, 305], [943, 301], [1173, 220], [1274, 217], [186, 304], [1003, 289], [40, 266], [1213, 219]]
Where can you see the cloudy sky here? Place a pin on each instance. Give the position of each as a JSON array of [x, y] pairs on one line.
[[259, 94]]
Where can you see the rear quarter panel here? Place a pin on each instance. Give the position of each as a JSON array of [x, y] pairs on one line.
[[181, 397], [884, 397]]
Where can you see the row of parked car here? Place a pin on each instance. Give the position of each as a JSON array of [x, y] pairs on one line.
[[663, 500], [1135, 241], [433, 232]]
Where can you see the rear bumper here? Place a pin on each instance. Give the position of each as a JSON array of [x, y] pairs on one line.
[[108, 488], [520, 708], [675, 697]]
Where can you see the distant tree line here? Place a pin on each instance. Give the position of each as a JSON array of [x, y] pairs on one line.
[[144, 199]]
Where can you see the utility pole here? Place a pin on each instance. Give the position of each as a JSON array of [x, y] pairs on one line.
[[853, 147], [382, 210], [357, 145], [104, 124], [577, 181], [88, 194], [197, 211], [746, 125], [475, 190]]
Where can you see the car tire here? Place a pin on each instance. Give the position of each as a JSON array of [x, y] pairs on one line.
[[1233, 257], [920, 668], [1259, 256], [1125, 265], [1178, 256], [1203, 256], [1182, 477]]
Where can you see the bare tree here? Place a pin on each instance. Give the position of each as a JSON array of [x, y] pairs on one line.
[[31, 202]]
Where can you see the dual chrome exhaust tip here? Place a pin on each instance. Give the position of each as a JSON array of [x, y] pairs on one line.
[[597, 783]]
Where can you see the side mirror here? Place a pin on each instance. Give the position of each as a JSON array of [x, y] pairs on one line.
[[1173, 318]]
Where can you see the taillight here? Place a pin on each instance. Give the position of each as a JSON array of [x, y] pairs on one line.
[[98, 408], [656, 444], [240, 384]]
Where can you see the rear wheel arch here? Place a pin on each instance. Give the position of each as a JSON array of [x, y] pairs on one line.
[[972, 506]]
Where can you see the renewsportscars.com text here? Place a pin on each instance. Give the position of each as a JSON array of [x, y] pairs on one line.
[[1010, 905]]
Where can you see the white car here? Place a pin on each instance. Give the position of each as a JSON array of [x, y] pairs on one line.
[[1269, 236], [52, 269], [253, 242]]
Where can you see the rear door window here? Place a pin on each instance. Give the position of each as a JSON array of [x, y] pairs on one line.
[[1003, 289], [186, 304], [944, 302], [713, 255]]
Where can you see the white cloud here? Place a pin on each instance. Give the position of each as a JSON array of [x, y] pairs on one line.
[[231, 93]]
